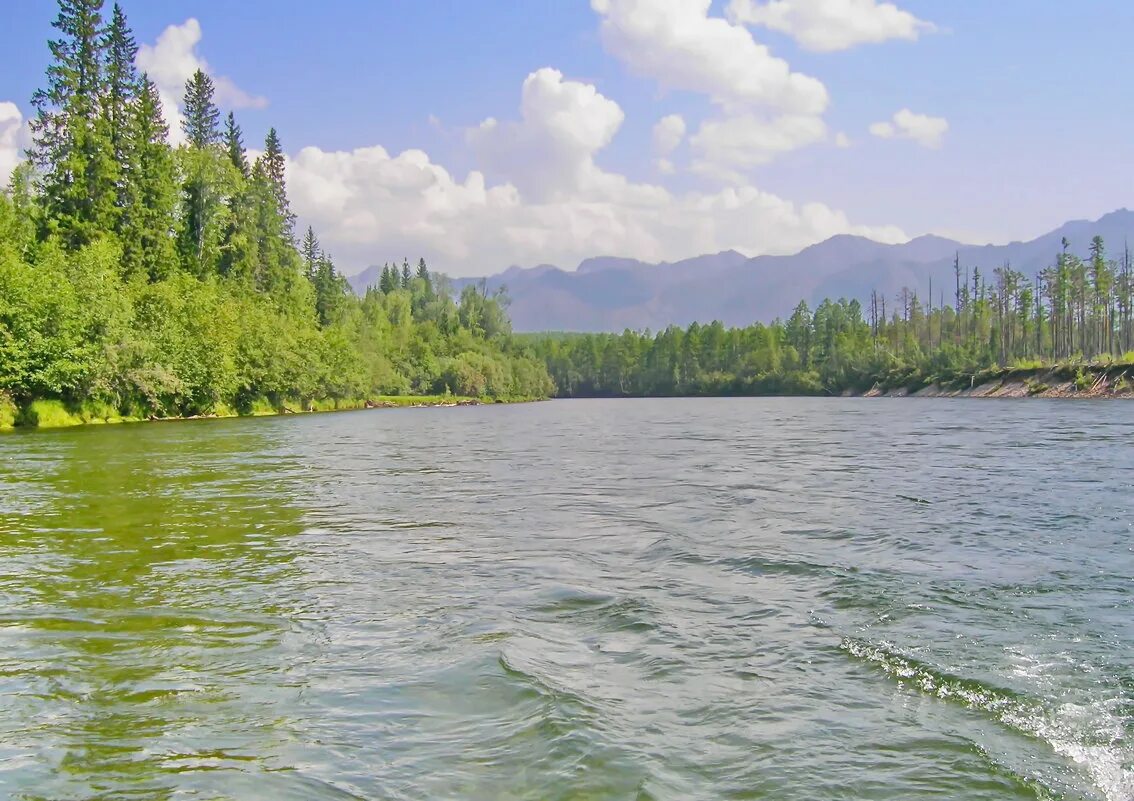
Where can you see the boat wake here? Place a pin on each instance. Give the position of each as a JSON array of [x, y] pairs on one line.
[[1092, 735]]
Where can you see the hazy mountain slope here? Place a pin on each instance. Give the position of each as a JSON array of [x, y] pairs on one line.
[[610, 294]]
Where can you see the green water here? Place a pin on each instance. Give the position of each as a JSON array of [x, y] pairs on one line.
[[698, 599]]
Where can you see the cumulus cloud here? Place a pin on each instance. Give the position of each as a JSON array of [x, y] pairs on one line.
[[549, 151], [13, 139], [669, 132], [540, 198], [745, 141], [925, 130], [829, 25], [173, 59], [678, 44], [842, 140]]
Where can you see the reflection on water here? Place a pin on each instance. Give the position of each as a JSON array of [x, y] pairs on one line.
[[703, 599], [145, 632]]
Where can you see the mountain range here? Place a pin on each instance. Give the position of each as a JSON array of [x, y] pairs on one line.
[[612, 294]]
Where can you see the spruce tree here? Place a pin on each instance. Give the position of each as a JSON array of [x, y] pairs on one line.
[[234, 144], [279, 263], [275, 172], [406, 274], [202, 119], [389, 281], [311, 253], [70, 147], [426, 278], [122, 85], [151, 191], [200, 236]]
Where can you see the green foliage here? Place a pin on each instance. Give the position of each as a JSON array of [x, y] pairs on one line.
[[141, 281], [49, 414], [8, 412]]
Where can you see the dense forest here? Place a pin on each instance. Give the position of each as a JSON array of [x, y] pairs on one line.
[[1076, 312], [142, 279]]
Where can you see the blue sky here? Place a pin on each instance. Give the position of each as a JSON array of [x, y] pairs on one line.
[[1016, 118]]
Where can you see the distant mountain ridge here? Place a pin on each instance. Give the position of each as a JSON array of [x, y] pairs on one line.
[[612, 293]]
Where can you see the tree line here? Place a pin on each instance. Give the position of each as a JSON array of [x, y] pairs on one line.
[[162, 280], [1077, 310]]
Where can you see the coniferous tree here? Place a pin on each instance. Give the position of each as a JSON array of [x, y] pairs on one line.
[[311, 252], [389, 281], [426, 279], [406, 274], [234, 145], [275, 169], [122, 84], [202, 118], [150, 190], [279, 263], [202, 234], [70, 138]]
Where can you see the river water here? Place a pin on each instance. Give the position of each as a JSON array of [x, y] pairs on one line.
[[655, 599]]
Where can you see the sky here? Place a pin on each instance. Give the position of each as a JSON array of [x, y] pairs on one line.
[[481, 135]]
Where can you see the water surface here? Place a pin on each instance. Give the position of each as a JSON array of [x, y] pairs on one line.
[[670, 599]]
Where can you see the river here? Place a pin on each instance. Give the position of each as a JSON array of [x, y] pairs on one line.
[[634, 599]]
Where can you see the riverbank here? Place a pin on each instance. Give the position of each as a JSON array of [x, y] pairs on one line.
[[44, 414], [1060, 381]]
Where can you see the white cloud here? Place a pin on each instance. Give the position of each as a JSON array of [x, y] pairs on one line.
[[842, 140], [828, 25], [665, 166], [925, 130], [669, 132], [746, 141], [549, 151], [550, 202], [172, 60], [13, 139], [678, 44]]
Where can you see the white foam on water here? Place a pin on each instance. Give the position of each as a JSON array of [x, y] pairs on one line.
[[1090, 735]]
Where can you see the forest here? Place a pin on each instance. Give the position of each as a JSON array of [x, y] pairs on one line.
[[1076, 313], [139, 279]]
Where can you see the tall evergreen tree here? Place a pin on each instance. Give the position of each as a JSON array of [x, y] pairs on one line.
[[275, 172], [234, 145], [79, 174], [122, 84], [311, 253], [202, 118], [201, 235], [151, 191]]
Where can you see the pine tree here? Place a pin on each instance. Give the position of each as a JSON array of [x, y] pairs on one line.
[[79, 174], [275, 171], [200, 238], [406, 274], [234, 144], [279, 263], [202, 119], [151, 191], [389, 281], [311, 252], [426, 279], [122, 85]]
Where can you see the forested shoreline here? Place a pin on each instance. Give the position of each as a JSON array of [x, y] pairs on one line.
[[140, 279], [1071, 325]]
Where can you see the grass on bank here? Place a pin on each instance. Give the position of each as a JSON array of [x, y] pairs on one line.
[[57, 414]]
